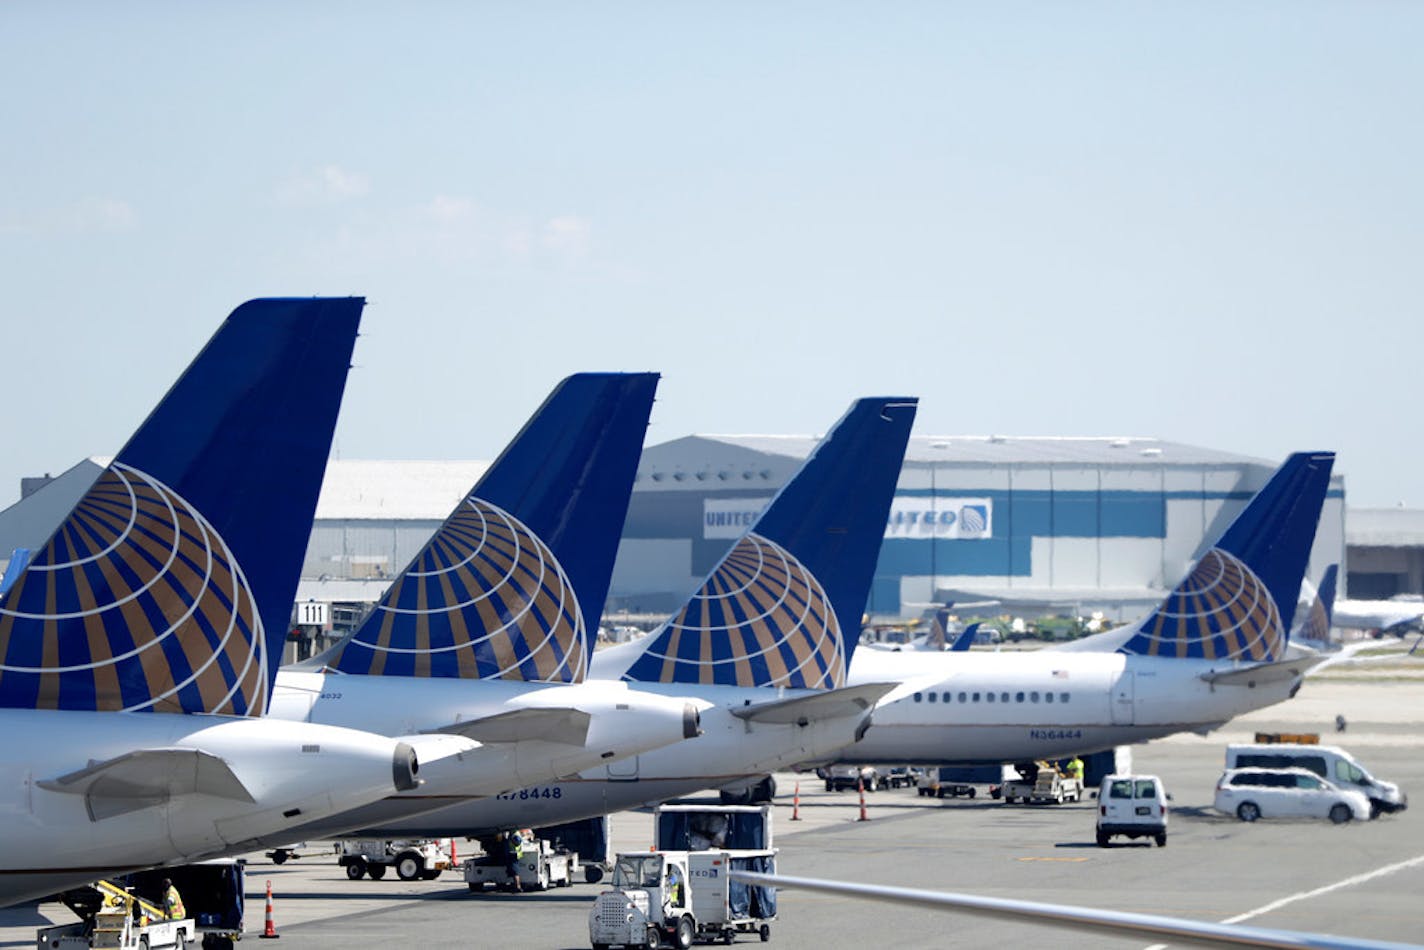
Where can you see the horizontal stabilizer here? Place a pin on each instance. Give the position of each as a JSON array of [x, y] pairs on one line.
[[561, 724], [831, 704], [148, 777], [1260, 674]]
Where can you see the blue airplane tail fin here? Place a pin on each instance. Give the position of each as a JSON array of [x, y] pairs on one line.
[[966, 639], [783, 608], [169, 585], [1239, 600], [1318, 615], [513, 583]]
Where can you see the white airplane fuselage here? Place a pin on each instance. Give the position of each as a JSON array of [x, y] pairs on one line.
[[293, 772], [730, 749], [980, 707], [1377, 614], [624, 722]]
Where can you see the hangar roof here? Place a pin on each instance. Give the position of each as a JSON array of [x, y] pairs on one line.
[[424, 490], [1385, 527], [987, 450]]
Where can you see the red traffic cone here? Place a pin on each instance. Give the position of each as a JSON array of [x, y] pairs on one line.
[[269, 931], [860, 785], [796, 803]]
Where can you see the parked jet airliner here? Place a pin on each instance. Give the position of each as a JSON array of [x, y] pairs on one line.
[[762, 641], [486, 634], [138, 645], [1214, 649]]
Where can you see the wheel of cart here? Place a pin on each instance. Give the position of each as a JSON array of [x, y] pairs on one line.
[[685, 933], [377, 871], [356, 870], [765, 932], [409, 866]]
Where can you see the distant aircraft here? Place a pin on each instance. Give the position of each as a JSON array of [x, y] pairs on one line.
[[1313, 631], [1178, 931], [1214, 649], [762, 642], [485, 636], [1399, 616], [138, 646]]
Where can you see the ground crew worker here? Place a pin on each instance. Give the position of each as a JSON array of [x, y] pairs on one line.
[[1075, 768], [513, 852], [172, 903], [674, 886]]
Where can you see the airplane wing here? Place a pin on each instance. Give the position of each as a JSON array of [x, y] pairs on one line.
[[1179, 931], [561, 724], [831, 704], [147, 777], [1264, 672]]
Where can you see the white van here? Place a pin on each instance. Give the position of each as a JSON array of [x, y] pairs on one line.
[[1292, 792], [1328, 762], [1134, 806]]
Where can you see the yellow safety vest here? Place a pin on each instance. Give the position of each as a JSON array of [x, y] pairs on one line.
[[173, 904]]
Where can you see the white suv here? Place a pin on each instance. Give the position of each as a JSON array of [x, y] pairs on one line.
[[1286, 793], [1134, 806]]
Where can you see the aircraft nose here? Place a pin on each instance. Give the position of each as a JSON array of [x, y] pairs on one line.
[[405, 767], [691, 721]]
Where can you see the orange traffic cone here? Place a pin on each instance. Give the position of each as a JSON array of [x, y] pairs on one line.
[[860, 785], [796, 803], [270, 930], [454, 858]]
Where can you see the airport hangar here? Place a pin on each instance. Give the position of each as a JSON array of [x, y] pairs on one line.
[[1043, 525]]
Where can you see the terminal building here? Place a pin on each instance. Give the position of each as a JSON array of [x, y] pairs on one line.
[[1036, 525]]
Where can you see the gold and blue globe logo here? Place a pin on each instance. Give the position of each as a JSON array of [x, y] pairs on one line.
[[135, 604], [485, 599], [760, 619], [1221, 611]]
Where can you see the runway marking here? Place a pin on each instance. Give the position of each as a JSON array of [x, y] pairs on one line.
[[1073, 860], [1305, 895], [1347, 882]]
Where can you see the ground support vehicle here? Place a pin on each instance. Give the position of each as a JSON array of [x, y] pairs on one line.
[[213, 892], [112, 917], [681, 897], [839, 778], [413, 860], [1282, 751], [1134, 806], [541, 866], [932, 785], [1252, 793], [1053, 787]]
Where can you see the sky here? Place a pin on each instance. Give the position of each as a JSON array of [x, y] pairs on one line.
[[1201, 222]]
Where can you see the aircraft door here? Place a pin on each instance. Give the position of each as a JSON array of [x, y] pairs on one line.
[[1124, 699], [624, 770]]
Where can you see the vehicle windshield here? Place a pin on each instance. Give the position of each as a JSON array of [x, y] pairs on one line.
[[1121, 789], [1349, 772], [1146, 788], [638, 870]]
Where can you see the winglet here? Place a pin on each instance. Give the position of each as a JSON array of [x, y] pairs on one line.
[[965, 639], [1239, 599], [783, 606], [515, 579], [169, 586]]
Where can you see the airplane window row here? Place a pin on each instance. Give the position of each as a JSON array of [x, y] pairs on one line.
[[1032, 696]]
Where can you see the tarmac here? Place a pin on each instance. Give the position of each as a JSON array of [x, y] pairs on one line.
[[1361, 879]]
